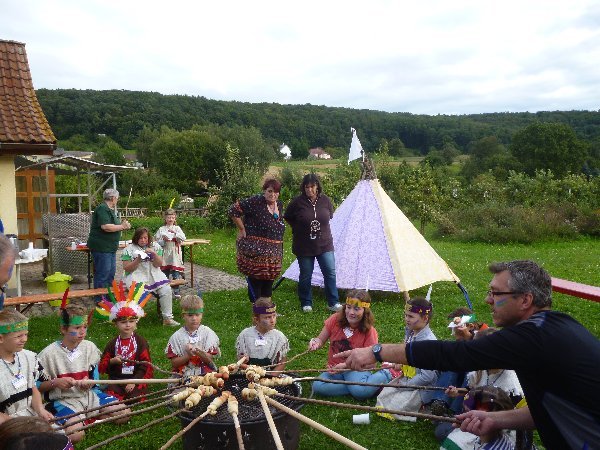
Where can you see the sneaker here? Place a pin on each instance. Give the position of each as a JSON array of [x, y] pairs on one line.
[[170, 323], [439, 408], [335, 307], [307, 308]]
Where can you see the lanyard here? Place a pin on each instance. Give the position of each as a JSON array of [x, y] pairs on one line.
[[18, 366]]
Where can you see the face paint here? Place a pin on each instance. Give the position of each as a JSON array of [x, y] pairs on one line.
[[73, 333], [500, 303]]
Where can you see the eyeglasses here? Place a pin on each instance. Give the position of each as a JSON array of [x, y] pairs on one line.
[[491, 293], [2, 297]]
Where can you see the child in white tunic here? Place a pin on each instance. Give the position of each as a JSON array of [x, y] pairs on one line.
[[20, 370], [69, 363], [192, 348], [142, 260], [262, 343], [170, 237]]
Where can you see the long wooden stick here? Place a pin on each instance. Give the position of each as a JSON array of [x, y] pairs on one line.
[[238, 431], [290, 360], [154, 366], [120, 402], [324, 369], [135, 430], [185, 430], [316, 425], [397, 386], [131, 381], [120, 407], [120, 416], [274, 432], [370, 408]]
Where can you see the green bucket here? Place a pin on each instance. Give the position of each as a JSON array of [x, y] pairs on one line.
[[57, 283]]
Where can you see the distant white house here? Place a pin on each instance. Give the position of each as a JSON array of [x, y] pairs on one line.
[[286, 151], [318, 153]]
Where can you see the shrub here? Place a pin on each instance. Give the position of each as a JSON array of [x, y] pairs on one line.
[[238, 179], [498, 223]]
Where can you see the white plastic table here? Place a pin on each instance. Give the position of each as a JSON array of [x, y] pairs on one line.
[[18, 263]]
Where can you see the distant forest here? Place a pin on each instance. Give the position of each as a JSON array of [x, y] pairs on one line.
[[121, 115]]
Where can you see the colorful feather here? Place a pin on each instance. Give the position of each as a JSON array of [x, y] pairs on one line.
[[63, 303], [131, 292], [102, 314], [144, 299], [121, 291], [139, 290], [111, 293]]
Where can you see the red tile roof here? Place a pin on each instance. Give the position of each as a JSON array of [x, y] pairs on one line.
[[23, 125]]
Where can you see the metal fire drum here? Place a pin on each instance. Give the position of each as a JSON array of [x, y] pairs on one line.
[[218, 432], [60, 230]]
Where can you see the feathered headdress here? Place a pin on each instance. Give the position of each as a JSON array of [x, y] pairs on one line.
[[118, 305]]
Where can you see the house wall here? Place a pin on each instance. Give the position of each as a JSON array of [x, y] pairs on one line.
[[8, 202], [8, 194]]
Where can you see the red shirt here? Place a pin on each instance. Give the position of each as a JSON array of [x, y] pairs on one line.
[[341, 339]]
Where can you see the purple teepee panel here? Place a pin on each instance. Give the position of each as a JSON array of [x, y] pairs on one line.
[[361, 251]]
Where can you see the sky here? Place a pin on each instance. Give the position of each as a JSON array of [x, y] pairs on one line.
[[423, 57]]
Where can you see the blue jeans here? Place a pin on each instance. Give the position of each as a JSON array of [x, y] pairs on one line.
[[105, 266], [358, 392], [307, 264], [175, 275], [456, 379]]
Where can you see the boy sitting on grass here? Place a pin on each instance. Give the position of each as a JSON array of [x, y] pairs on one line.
[[192, 348], [19, 371], [262, 343], [69, 362]]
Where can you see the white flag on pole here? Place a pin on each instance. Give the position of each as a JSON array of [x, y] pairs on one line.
[[356, 150]]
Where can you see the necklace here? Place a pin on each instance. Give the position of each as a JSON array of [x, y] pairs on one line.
[[489, 382], [18, 361], [273, 211], [126, 351]]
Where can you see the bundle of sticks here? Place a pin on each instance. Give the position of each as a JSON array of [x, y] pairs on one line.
[[191, 390]]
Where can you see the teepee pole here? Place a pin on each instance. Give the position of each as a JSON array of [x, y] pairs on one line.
[[406, 296]]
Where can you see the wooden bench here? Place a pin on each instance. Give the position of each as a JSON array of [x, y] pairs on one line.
[[30, 300], [576, 289]]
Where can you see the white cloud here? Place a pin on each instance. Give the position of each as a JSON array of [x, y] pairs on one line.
[[422, 57]]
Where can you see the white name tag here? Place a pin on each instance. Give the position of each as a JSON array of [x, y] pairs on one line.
[[194, 340], [127, 370], [259, 342], [348, 332], [72, 356], [19, 381]]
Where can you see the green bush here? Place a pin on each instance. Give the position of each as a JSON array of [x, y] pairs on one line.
[[237, 180], [499, 223]]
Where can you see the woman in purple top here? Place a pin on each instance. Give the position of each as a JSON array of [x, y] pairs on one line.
[[309, 215]]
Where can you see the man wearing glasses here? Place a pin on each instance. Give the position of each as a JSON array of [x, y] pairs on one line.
[[7, 262], [556, 359]]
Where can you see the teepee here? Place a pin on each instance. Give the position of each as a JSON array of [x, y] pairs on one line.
[[376, 246]]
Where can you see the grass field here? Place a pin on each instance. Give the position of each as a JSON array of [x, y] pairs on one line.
[[228, 313]]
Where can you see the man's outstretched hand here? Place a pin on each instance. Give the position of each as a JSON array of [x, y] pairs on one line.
[[358, 358]]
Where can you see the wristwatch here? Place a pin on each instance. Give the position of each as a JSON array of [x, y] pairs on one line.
[[377, 352]]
